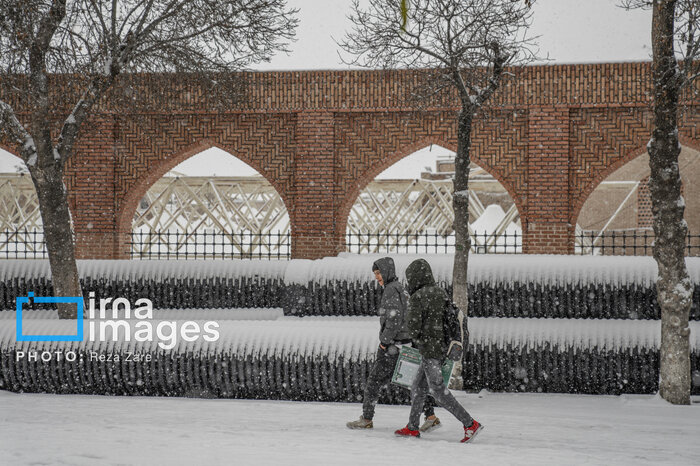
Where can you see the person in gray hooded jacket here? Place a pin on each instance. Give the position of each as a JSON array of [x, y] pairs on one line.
[[392, 332]]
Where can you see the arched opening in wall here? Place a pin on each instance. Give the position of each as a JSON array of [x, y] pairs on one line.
[[212, 205], [408, 209], [21, 229], [616, 218]]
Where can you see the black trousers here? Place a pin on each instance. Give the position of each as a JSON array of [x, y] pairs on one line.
[[429, 379], [380, 376]]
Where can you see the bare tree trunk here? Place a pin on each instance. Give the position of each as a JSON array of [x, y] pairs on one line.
[[58, 234], [670, 229], [89, 45], [460, 203]]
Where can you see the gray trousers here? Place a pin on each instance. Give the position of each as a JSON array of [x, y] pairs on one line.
[[429, 379], [380, 376]]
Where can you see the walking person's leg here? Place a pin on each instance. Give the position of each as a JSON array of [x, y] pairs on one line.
[[445, 399], [432, 422], [419, 392], [436, 384], [379, 376], [429, 406]]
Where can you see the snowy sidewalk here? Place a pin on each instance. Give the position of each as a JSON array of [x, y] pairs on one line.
[[522, 429]]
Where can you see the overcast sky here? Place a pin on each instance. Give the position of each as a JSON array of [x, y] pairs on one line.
[[571, 31]]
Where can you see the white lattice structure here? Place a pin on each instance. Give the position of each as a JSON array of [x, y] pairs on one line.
[[406, 209], [591, 245], [249, 216], [246, 216], [19, 205], [21, 231]]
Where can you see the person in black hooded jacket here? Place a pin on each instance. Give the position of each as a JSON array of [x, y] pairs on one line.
[[392, 332], [426, 313]]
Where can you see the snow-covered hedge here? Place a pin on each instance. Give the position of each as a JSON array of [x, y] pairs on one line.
[[500, 285], [169, 284], [268, 313], [498, 269], [328, 359], [149, 270], [492, 268]]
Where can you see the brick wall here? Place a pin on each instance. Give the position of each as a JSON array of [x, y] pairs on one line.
[[314, 232], [546, 227], [550, 135]]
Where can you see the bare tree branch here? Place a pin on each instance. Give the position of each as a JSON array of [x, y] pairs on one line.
[[457, 38], [89, 45], [13, 130], [102, 40], [462, 45], [686, 37]]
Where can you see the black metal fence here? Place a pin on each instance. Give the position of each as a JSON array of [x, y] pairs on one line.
[[22, 244], [210, 245], [29, 244], [431, 243], [625, 243]]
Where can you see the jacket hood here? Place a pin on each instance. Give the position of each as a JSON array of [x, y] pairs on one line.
[[386, 268], [418, 275]]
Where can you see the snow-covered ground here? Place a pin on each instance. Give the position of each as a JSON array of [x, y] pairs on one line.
[[521, 429]]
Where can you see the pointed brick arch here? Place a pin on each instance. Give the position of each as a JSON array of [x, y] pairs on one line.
[[550, 135], [156, 143], [367, 144], [611, 160], [374, 170], [247, 142]]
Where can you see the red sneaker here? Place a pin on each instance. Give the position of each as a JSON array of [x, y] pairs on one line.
[[471, 431], [406, 432]]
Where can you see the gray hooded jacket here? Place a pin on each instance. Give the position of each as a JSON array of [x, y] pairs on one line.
[[392, 309]]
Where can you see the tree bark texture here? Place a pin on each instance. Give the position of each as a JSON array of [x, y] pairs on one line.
[[58, 234], [460, 202], [670, 229]]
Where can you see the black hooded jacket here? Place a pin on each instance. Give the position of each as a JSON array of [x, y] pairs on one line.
[[426, 310], [392, 309]]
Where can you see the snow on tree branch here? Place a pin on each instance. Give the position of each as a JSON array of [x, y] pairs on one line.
[[10, 127]]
